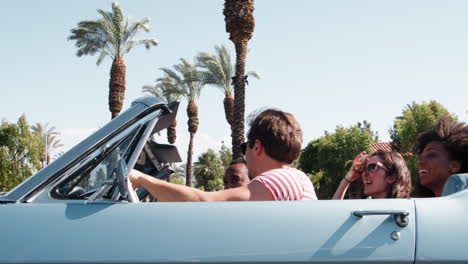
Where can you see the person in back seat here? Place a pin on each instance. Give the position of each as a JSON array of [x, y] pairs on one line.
[[442, 151], [384, 174], [236, 175]]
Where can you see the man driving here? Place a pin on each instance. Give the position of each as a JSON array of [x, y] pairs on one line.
[[274, 141]]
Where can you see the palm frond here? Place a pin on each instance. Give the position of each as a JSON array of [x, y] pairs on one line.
[[184, 79], [101, 57], [172, 74], [89, 37], [111, 35], [253, 74], [117, 13], [48, 136], [224, 57], [146, 42], [135, 27], [162, 91], [218, 68], [152, 90]]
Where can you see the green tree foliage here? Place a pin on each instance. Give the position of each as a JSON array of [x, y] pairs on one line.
[[316, 178], [225, 155], [209, 171], [324, 159], [20, 153], [415, 119]]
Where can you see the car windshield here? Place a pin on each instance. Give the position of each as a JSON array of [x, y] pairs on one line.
[[99, 168], [103, 170]]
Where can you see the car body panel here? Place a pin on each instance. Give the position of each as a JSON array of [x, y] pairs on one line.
[[298, 231], [442, 229]]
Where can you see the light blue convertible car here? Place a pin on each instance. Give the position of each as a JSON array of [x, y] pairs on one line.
[[80, 209]]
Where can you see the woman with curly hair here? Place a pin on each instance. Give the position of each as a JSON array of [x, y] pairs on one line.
[[384, 175], [442, 152]]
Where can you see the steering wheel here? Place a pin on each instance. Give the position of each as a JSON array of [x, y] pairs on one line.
[[162, 174], [123, 182]]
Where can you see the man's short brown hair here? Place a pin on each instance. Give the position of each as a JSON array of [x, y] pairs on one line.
[[279, 133]]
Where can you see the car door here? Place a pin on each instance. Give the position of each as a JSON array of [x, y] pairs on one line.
[[298, 231]]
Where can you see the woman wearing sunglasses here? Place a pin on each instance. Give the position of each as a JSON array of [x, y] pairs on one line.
[[384, 175]]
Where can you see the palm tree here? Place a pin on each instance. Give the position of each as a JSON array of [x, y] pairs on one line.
[[186, 81], [209, 171], [240, 24], [113, 36], [48, 141], [163, 91], [219, 72]]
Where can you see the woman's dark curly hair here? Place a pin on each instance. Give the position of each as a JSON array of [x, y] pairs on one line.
[[454, 136]]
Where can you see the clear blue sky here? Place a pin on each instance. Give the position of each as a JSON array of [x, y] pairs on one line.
[[328, 62]]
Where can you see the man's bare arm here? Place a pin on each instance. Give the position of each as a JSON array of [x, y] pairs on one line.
[[169, 192]]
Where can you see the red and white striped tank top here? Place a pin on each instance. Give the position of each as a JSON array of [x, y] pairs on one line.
[[287, 184]]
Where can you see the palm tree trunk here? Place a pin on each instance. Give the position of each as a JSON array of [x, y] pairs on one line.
[[240, 24], [192, 113], [171, 132], [237, 128], [117, 86], [228, 107], [188, 179]]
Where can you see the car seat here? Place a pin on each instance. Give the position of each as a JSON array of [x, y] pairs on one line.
[[455, 183]]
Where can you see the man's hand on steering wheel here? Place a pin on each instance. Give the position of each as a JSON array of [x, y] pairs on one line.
[[135, 178]]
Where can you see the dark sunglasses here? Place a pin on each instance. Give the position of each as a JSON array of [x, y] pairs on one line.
[[375, 166], [243, 147]]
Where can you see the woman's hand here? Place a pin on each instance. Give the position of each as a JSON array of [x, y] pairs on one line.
[[358, 167]]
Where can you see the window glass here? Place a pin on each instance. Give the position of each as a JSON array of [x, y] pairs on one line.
[[100, 166], [105, 169]]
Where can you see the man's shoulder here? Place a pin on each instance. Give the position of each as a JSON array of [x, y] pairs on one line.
[[282, 171], [286, 184]]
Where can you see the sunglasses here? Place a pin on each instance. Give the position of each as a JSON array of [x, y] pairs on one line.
[[243, 147], [375, 166]]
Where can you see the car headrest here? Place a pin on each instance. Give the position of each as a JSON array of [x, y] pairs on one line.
[[455, 183]]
